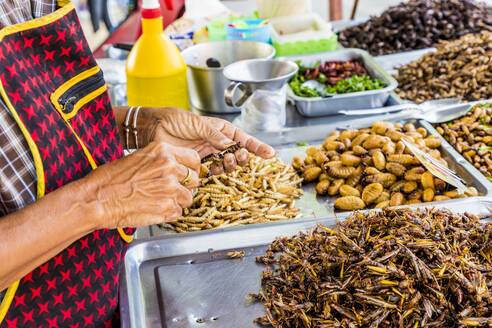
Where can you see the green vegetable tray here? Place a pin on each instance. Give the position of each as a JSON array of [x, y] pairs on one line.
[[318, 106]]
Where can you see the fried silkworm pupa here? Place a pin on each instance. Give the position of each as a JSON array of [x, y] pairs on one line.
[[346, 190], [372, 192], [322, 187], [311, 174], [349, 203], [339, 171]]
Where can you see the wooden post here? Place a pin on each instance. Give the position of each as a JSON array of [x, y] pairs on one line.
[[354, 9], [336, 12]]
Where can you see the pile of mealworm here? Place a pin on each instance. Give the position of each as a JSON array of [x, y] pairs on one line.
[[471, 136], [391, 269], [262, 191], [372, 167]]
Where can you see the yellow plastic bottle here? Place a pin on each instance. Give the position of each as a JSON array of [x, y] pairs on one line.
[[155, 69]]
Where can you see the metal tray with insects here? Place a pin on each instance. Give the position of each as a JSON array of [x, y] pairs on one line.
[[315, 137], [190, 280], [295, 141]]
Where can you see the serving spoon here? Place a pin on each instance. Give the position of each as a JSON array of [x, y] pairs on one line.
[[433, 111]]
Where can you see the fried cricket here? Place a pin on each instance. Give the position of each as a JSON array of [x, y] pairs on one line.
[[390, 269]]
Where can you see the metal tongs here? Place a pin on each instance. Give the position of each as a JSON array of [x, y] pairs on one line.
[[436, 168], [433, 111]]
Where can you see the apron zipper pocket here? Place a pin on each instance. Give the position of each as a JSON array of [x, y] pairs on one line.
[[70, 97]]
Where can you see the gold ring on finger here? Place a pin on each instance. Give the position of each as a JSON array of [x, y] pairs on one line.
[[187, 180]]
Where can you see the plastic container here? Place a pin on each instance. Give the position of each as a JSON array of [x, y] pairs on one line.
[[302, 34], [155, 69], [254, 32], [217, 29]]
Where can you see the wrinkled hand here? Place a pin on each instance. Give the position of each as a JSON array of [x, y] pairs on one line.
[[145, 187], [205, 135]]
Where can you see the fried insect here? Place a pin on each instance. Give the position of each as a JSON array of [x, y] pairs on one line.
[[428, 195], [396, 168], [397, 199], [347, 190], [335, 187], [471, 135], [262, 191], [379, 160], [427, 180], [342, 172], [391, 269], [404, 159], [351, 160], [235, 254], [415, 173], [220, 155], [372, 192], [349, 203], [311, 174], [322, 187], [386, 179]]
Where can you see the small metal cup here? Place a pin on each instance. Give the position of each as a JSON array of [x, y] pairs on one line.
[[247, 76]]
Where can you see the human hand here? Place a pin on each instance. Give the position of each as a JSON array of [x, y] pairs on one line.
[[205, 135], [144, 188]]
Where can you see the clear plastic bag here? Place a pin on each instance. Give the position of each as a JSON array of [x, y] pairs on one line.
[[264, 111]]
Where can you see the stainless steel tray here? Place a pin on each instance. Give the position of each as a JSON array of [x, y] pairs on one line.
[[187, 281], [456, 162], [313, 107], [312, 206], [459, 158]]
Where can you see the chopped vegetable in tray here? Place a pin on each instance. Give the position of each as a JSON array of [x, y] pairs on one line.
[[338, 76]]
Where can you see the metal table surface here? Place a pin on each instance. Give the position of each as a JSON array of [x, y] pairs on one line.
[[188, 281]]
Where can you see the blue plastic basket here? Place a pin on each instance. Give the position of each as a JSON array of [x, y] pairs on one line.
[[253, 33]]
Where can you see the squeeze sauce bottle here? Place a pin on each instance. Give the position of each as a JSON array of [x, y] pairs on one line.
[[155, 69]]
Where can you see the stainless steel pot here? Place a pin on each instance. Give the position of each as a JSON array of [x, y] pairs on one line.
[[207, 84]]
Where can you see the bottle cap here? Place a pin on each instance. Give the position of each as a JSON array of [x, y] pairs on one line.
[[151, 9], [150, 4]]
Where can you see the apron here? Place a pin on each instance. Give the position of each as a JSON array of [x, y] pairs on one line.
[[56, 93]]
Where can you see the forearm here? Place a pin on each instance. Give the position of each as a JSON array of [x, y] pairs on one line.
[[145, 126], [35, 234]]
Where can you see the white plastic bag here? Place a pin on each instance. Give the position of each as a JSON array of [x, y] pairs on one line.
[[277, 8], [265, 111]]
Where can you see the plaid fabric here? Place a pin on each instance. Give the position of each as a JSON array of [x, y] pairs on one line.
[[17, 171], [18, 11]]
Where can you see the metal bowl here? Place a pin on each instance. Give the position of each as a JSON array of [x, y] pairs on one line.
[[207, 84]]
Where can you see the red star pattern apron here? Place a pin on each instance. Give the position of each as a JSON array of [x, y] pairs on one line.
[[57, 94]]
